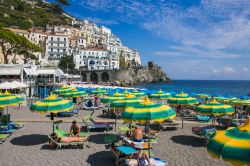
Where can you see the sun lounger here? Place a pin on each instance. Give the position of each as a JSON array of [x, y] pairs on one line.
[[204, 133], [3, 137], [93, 126], [6, 123]]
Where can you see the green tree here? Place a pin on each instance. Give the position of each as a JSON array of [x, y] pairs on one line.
[[10, 42], [66, 62], [122, 62]]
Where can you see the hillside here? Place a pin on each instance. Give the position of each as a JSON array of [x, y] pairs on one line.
[[19, 13]]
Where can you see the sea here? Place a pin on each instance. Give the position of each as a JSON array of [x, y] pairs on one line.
[[212, 87]]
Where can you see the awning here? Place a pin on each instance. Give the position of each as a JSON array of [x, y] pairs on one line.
[[10, 71], [31, 72], [56, 72], [12, 85]]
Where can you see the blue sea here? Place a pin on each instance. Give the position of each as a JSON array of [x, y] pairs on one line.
[[212, 87]]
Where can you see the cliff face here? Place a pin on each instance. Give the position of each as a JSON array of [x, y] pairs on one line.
[[152, 73]]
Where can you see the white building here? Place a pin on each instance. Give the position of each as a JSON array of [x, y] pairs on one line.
[[57, 46], [131, 56], [95, 59]]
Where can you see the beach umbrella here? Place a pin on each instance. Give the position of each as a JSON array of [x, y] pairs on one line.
[[182, 99], [148, 111], [75, 94], [160, 95], [51, 105], [120, 105], [99, 91], [214, 108], [137, 93], [232, 145], [115, 97], [239, 102], [201, 96], [7, 99], [63, 89]]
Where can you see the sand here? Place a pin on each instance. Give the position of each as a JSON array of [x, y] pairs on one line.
[[28, 146]]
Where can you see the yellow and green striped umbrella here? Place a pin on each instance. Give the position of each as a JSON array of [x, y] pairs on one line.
[[232, 144], [51, 104], [115, 97], [99, 91], [160, 95], [75, 93], [126, 92], [239, 102], [8, 99], [137, 93], [214, 108], [130, 100], [201, 96], [147, 110], [182, 99], [63, 89]]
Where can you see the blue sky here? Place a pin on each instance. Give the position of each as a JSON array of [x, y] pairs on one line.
[[190, 39]]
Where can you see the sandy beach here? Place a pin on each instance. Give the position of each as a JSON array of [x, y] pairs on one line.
[[29, 146]]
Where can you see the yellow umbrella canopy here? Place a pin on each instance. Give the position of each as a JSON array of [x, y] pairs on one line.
[[182, 99], [63, 89], [51, 104], [215, 108], [232, 144], [147, 111], [160, 95], [75, 93], [137, 93], [8, 99]]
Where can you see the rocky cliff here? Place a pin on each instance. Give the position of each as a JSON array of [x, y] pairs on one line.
[[149, 74]]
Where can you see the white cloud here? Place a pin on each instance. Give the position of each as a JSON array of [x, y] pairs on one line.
[[229, 70]]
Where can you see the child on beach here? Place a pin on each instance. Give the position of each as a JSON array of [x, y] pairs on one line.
[[74, 129]]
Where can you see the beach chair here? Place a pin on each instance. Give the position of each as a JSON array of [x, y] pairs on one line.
[[204, 133], [167, 125], [6, 123], [93, 126], [201, 118], [3, 137], [62, 133]]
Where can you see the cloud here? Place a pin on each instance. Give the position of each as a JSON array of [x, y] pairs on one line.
[[207, 37]]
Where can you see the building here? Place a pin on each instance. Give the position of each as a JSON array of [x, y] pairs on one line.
[[131, 56], [95, 58], [57, 46]]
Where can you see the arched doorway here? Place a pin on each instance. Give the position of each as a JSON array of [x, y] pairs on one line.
[[94, 78], [105, 77], [84, 77]]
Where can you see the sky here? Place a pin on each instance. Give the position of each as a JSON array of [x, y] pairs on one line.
[[189, 39]]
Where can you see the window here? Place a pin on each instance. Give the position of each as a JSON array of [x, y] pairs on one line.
[[58, 39], [57, 44], [51, 38], [51, 44], [64, 39], [58, 55], [51, 55], [57, 50], [51, 49]]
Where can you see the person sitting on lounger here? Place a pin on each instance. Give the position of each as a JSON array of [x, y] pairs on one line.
[[137, 135], [74, 129], [56, 138]]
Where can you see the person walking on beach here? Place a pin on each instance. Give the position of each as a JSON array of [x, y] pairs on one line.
[[74, 129]]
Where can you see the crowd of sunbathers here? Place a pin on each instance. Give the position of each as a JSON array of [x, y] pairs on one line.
[[73, 137]]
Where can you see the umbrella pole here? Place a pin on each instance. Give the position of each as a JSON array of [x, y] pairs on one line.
[[52, 118]]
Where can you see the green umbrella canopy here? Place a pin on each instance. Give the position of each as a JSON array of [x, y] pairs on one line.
[[75, 93], [214, 108], [130, 100], [99, 91], [7, 99], [232, 144], [137, 93], [239, 102], [201, 96], [115, 97], [160, 95], [182, 99], [147, 111], [51, 104], [63, 89]]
